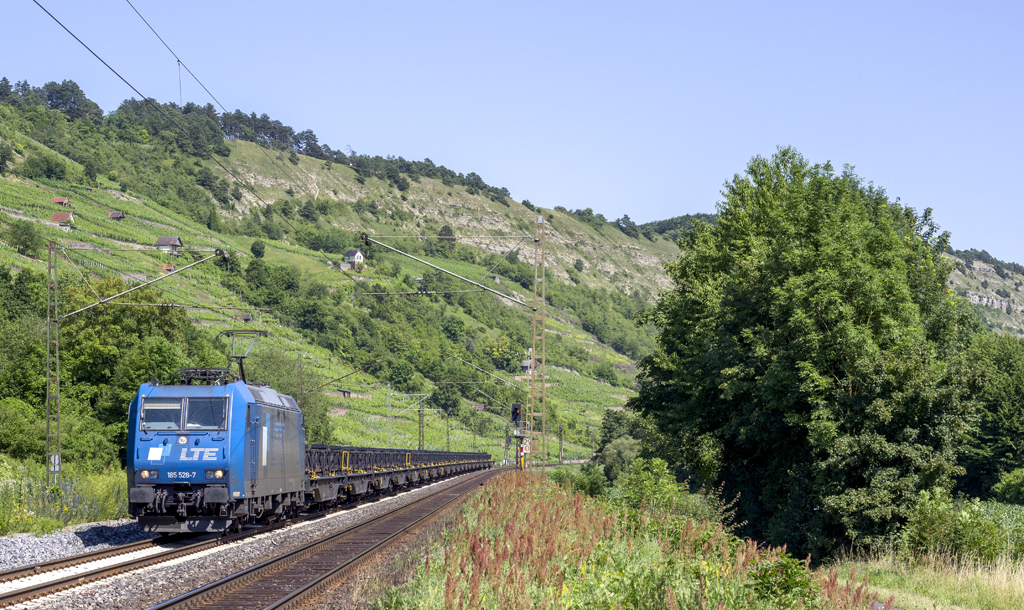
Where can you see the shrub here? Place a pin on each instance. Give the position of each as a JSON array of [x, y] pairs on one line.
[[649, 484], [940, 525], [522, 544], [21, 433], [617, 456], [1010, 488], [44, 165], [588, 480]]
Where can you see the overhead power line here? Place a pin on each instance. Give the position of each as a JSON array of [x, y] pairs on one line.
[[181, 128], [182, 64]]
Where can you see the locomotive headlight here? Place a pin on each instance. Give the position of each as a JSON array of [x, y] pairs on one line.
[[182, 440], [215, 474], [149, 474]]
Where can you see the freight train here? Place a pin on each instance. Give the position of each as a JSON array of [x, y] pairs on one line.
[[214, 452]]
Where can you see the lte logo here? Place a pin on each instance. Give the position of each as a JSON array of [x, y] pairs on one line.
[[192, 454]]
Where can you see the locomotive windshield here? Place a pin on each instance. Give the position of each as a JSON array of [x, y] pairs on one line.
[[205, 413], [161, 414]]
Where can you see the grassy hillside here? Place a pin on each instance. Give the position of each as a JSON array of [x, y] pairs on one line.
[[610, 258], [598, 277]]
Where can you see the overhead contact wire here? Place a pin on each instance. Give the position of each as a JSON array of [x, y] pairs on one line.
[[182, 64], [170, 120]]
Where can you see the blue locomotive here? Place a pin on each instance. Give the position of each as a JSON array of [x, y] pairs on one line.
[[214, 452]]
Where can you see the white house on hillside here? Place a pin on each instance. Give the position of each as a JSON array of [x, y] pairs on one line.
[[353, 258]]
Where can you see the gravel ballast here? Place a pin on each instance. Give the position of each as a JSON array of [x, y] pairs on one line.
[[149, 586], [24, 549]]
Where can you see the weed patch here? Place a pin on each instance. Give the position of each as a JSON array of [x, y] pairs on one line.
[[28, 504], [525, 542]]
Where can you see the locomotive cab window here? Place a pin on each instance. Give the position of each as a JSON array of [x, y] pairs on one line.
[[161, 414], [205, 413]]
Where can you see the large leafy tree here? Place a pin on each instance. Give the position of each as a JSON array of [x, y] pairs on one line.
[[998, 448], [22, 235], [69, 98], [810, 355], [279, 370]]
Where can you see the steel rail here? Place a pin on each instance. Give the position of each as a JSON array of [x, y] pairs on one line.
[[236, 590], [74, 560], [316, 586], [74, 580]]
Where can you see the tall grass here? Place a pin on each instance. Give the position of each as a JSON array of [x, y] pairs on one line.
[[29, 504], [938, 581], [952, 553], [524, 542]]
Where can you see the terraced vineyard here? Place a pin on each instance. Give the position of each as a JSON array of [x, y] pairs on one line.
[[365, 411]]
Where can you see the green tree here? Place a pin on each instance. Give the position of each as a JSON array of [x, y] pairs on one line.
[[401, 374], [606, 372], [1010, 488], [6, 157], [279, 370], [213, 221], [273, 230], [998, 448], [22, 435], [446, 398], [152, 357], [503, 354], [258, 248], [810, 355], [44, 165], [309, 211], [22, 236], [91, 169], [627, 226], [446, 239], [454, 328], [69, 98], [618, 455], [617, 424], [257, 274]]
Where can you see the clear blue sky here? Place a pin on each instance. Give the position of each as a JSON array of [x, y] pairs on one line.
[[629, 108]]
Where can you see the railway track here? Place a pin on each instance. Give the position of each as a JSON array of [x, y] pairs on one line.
[[34, 587], [61, 583], [292, 578], [99, 555], [79, 578]]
